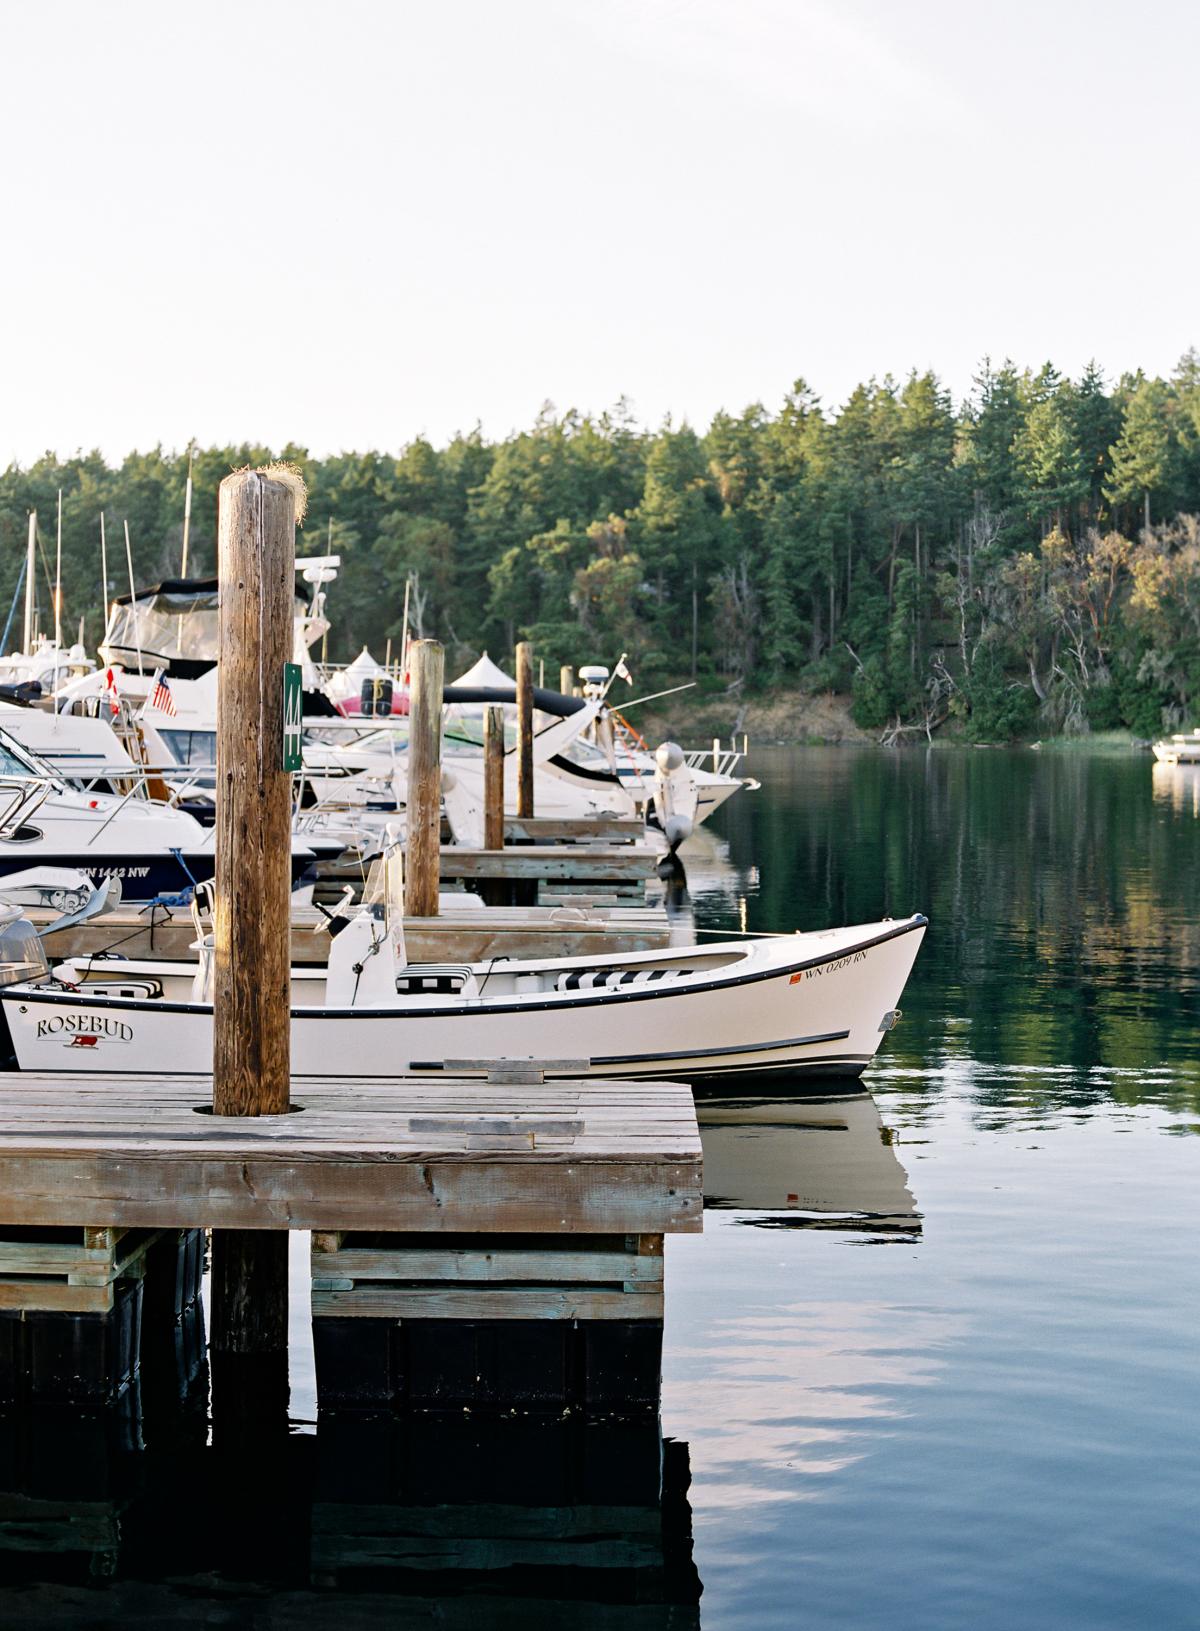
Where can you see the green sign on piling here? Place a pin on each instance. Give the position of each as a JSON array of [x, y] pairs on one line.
[[293, 710]]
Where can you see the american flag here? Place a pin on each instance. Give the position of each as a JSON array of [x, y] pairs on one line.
[[160, 697]]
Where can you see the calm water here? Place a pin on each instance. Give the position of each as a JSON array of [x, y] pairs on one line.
[[934, 1361]]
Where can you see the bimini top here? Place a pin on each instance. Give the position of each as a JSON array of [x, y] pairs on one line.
[[171, 625], [189, 589]]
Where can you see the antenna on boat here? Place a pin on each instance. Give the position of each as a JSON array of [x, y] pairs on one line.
[[187, 510], [137, 633]]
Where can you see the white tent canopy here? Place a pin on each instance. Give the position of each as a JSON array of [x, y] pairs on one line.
[[485, 673], [348, 681]]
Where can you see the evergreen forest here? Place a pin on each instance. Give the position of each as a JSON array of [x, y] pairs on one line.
[[1022, 562]]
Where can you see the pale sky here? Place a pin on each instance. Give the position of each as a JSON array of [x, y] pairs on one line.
[[351, 223]]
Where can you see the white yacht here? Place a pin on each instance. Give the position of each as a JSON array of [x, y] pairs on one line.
[[1181, 749], [154, 850]]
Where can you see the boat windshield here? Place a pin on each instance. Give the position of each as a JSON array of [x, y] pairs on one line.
[[191, 747], [15, 762], [160, 623], [582, 752]]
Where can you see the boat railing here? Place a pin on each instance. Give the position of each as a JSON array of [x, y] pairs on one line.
[[721, 761], [20, 798]]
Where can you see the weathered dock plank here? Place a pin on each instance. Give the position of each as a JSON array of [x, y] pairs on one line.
[[395, 1155], [618, 863], [594, 829]]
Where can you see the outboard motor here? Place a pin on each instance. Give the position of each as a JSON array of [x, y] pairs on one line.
[[22, 959], [675, 795], [22, 956]]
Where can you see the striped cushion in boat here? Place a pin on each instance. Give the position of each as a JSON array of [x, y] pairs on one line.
[[599, 979]]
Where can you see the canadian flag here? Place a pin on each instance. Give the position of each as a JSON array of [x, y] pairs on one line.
[[110, 690]]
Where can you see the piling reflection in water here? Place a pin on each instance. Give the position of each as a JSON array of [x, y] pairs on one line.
[[415, 1521]]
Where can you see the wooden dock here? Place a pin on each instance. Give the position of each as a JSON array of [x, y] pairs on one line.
[[477, 1242], [620, 871], [469, 934], [459, 1155], [593, 829]]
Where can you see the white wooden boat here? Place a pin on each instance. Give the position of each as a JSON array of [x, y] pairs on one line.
[[806, 1002]]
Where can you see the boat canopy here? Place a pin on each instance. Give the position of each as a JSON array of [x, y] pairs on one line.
[[171, 625]]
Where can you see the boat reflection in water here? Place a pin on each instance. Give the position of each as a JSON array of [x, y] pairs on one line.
[[1177, 785], [811, 1161]]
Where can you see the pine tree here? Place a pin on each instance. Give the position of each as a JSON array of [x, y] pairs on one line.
[[1140, 453]]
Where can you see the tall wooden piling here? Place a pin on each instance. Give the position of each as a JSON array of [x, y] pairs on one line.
[[251, 918], [251, 915], [493, 779], [524, 729], [493, 891], [566, 680], [421, 879]]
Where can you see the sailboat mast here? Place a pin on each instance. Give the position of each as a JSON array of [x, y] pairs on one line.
[[58, 581], [404, 632], [30, 580], [132, 595], [187, 513], [104, 575], [325, 630]]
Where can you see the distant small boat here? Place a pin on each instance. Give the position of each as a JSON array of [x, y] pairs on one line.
[[1182, 749]]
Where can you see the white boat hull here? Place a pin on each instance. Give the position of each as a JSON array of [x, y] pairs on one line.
[[796, 1003]]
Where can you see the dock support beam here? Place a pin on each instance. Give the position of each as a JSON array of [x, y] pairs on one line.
[[252, 904], [422, 873]]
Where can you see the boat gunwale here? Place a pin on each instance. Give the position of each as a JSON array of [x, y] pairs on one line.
[[486, 1005]]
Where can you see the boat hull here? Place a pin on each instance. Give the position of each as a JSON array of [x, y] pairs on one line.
[[795, 1012], [144, 875]]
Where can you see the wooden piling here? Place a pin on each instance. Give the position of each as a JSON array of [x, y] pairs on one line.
[[524, 729], [493, 779], [252, 902], [493, 891], [566, 680], [252, 907], [421, 880]]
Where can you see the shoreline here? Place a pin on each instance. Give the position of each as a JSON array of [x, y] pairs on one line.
[[794, 718]]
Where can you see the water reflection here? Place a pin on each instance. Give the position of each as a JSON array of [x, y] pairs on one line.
[[1177, 786], [423, 1521], [819, 1161]]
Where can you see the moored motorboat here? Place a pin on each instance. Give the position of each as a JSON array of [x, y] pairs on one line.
[[804, 1002], [1180, 749]]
